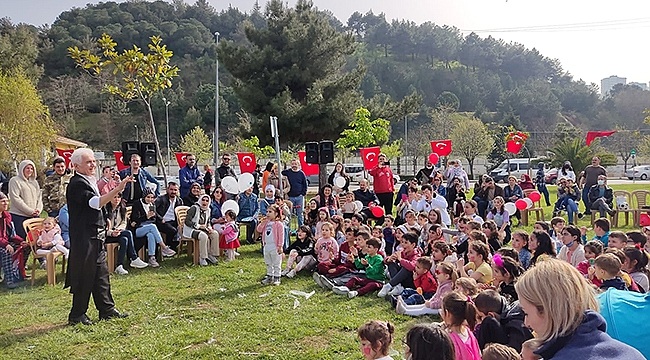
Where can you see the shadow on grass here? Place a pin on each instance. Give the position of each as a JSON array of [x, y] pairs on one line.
[[22, 334]]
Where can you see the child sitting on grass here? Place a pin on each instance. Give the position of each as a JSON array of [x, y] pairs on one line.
[[373, 264], [500, 352], [446, 277], [502, 322], [375, 338], [425, 284], [326, 250], [301, 253], [607, 268], [593, 249]]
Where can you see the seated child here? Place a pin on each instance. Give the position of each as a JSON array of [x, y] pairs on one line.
[[631, 285], [389, 234], [446, 277], [636, 263], [373, 264], [375, 338], [326, 249], [401, 265], [377, 233], [617, 240], [440, 251], [502, 322], [506, 270], [344, 263], [229, 240], [425, 283], [50, 239], [349, 207], [607, 268], [479, 265], [301, 253], [500, 352], [528, 350], [593, 249], [466, 286]]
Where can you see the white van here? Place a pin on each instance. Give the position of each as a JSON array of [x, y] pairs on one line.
[[356, 172], [518, 167]]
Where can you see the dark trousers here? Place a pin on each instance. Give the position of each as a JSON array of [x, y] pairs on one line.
[[99, 287], [399, 275], [386, 200], [250, 231], [125, 239], [363, 285], [170, 229]]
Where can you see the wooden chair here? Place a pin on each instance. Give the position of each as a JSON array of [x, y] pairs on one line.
[[193, 244], [537, 209], [630, 210], [32, 229], [111, 256], [641, 197]]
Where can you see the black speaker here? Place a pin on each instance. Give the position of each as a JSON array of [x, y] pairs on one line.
[[311, 152], [148, 153], [326, 150], [129, 148]]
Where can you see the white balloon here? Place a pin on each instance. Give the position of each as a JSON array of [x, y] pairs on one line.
[[245, 181], [358, 205], [529, 203], [510, 208], [340, 182], [230, 205], [229, 184]]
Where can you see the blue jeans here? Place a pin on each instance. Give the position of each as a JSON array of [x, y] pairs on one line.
[[544, 191], [125, 239], [153, 237], [571, 208], [411, 297], [298, 206], [585, 200]]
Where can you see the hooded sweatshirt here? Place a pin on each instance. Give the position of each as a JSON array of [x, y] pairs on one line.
[[588, 341], [24, 193], [508, 330]]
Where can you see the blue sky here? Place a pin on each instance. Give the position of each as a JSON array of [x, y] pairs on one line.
[[598, 38]]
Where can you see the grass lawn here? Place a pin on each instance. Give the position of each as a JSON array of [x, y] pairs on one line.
[[181, 311]]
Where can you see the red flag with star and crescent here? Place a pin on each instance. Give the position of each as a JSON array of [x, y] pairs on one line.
[[247, 162], [370, 157], [441, 147], [181, 158], [65, 154], [308, 169], [119, 163]]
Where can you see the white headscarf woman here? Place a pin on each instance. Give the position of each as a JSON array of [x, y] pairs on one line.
[[197, 226]]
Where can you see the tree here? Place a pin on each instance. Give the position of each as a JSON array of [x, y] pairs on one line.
[[137, 76], [622, 143], [471, 139], [25, 125], [579, 154], [364, 132], [253, 145], [19, 49], [197, 142], [293, 69]]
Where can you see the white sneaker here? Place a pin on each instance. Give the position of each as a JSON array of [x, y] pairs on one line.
[[203, 262], [327, 283], [212, 259], [138, 264], [167, 252], [291, 274], [317, 280], [120, 270], [397, 290], [340, 290], [384, 290], [352, 294], [237, 254], [400, 308]]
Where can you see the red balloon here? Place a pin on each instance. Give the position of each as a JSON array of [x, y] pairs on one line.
[[433, 158], [377, 211], [535, 196], [521, 204]]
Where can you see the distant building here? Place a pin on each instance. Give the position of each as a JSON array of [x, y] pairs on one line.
[[643, 86], [607, 84]]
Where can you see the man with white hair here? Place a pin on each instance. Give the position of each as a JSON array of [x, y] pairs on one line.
[[87, 270]]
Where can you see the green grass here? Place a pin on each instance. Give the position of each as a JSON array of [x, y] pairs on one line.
[[181, 311]]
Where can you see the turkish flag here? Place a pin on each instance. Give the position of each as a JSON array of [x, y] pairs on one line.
[[370, 157], [65, 154], [441, 147], [118, 161], [592, 135], [247, 162], [308, 169], [180, 158], [514, 146]]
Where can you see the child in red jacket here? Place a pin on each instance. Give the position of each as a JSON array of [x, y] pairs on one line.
[[425, 283]]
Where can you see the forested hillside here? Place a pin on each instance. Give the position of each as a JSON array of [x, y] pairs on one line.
[[429, 64]]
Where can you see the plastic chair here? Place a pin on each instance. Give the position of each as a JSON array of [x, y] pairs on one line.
[[630, 210], [193, 244], [641, 197], [32, 229], [537, 209]]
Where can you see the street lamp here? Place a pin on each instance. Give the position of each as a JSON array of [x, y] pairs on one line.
[[137, 136], [216, 107], [169, 157]]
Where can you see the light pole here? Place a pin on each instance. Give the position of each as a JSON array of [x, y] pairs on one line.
[[137, 136], [169, 157], [216, 107]]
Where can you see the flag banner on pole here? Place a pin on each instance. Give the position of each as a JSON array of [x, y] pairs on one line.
[[118, 161], [180, 158], [247, 162], [370, 157], [308, 169], [441, 147], [592, 135]]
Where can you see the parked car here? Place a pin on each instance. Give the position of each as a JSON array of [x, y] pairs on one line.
[[638, 172], [312, 180], [161, 180], [356, 172], [550, 176], [518, 167]]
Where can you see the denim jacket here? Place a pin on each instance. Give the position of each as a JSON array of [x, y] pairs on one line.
[[143, 177], [248, 206]]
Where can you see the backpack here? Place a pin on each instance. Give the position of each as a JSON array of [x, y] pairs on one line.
[[626, 312]]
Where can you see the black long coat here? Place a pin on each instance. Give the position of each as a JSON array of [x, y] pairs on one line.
[[86, 228]]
